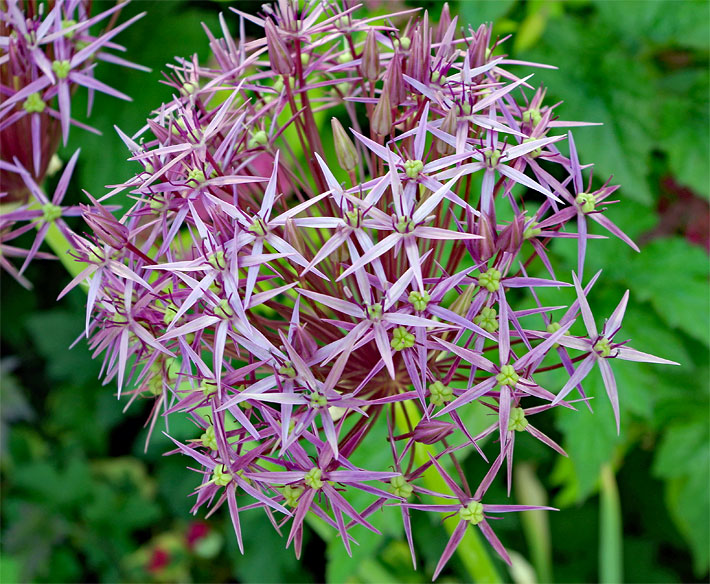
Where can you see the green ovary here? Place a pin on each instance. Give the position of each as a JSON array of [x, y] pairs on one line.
[[50, 212], [517, 421], [291, 495], [473, 512], [208, 438], [61, 68], [507, 376], [487, 320], [603, 347], [313, 478], [420, 300], [374, 312], [399, 487], [587, 202], [412, 168], [440, 393], [402, 339], [490, 280], [220, 476], [34, 104]]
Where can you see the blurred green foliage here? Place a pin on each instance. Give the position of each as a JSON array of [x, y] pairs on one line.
[[82, 501]]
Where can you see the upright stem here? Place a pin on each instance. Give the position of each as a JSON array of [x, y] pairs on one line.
[[471, 551]]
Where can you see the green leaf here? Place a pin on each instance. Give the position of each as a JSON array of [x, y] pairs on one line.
[[672, 274], [590, 437], [601, 80], [683, 458], [476, 13], [52, 332], [668, 22], [684, 110]]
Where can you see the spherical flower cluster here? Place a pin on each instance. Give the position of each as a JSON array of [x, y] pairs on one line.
[[48, 51], [305, 295]]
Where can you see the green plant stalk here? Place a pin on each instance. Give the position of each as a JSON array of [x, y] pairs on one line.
[[611, 570], [61, 247], [536, 527], [471, 551]]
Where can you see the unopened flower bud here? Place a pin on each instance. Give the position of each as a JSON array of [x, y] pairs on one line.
[[448, 125], [381, 123], [444, 22], [293, 236], [279, 56], [432, 431], [511, 238], [104, 225], [487, 245], [304, 343], [395, 81], [370, 66], [344, 147]]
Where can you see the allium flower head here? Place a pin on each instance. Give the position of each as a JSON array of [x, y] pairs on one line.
[[49, 50], [317, 300]]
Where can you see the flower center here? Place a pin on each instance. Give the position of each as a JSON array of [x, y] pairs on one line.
[[374, 312], [401, 339], [532, 115], [420, 300], [487, 320], [602, 347], [208, 438], [61, 69], [412, 168], [34, 104], [313, 478], [587, 202], [287, 370], [51, 212], [317, 400], [404, 225], [473, 512], [517, 421], [257, 139], [532, 230], [491, 157], [353, 218], [257, 228], [490, 280], [507, 376], [195, 176], [223, 309], [440, 393], [291, 495], [221, 476], [399, 487]]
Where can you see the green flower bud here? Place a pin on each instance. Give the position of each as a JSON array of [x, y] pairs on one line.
[[399, 487], [344, 147], [487, 320]]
